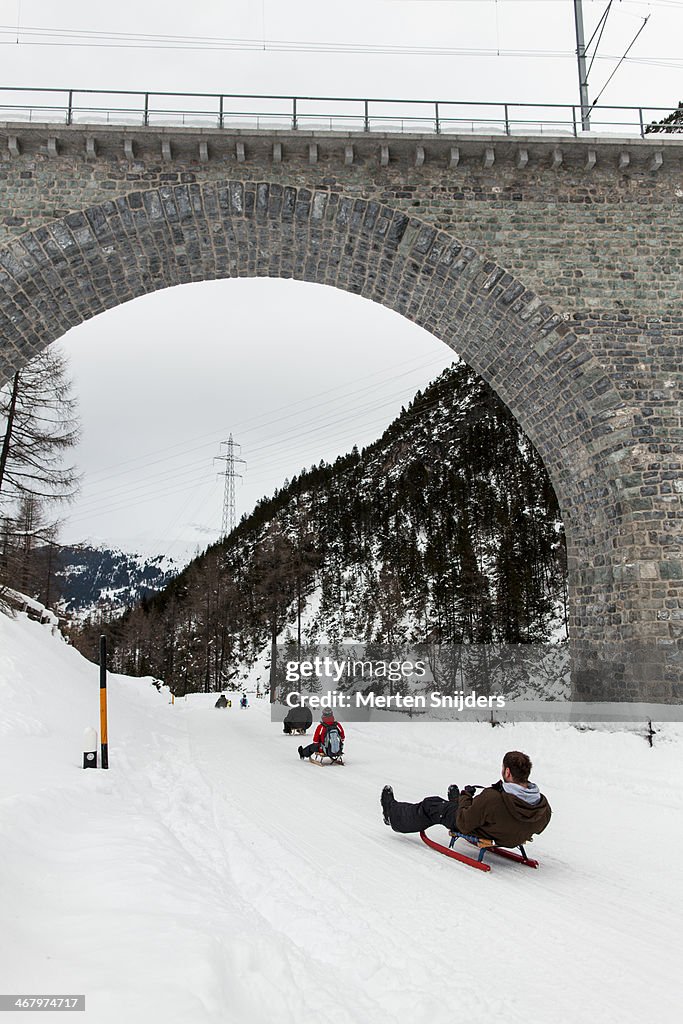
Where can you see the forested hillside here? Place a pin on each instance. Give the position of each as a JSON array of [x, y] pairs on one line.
[[446, 529]]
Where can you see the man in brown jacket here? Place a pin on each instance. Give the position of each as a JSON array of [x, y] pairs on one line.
[[510, 812]]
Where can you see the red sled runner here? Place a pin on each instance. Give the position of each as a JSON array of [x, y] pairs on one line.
[[484, 846]]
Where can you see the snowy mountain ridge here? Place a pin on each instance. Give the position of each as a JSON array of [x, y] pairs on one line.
[[103, 582]]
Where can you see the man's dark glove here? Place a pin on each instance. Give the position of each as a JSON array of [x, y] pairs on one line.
[[471, 790]]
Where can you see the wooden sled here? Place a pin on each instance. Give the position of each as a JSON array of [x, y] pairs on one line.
[[322, 759], [484, 846]]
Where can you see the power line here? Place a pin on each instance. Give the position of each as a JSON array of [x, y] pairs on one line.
[[242, 424], [201, 498], [94, 508], [193, 483], [174, 471], [351, 414]]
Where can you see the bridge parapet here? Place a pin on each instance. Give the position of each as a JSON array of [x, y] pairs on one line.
[[334, 113], [465, 152]]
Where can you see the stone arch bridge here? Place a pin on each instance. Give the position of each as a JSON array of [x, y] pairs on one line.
[[554, 266]]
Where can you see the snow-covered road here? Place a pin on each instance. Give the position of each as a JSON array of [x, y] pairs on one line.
[[210, 876]]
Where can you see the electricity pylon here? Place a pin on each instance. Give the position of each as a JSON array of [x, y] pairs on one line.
[[228, 524]]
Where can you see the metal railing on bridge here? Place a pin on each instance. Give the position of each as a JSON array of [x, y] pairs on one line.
[[322, 113]]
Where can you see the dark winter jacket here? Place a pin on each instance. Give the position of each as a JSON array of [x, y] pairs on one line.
[[299, 718], [495, 814]]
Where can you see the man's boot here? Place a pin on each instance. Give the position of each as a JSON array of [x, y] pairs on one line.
[[386, 800]]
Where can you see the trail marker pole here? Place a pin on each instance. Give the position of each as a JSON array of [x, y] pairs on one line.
[[103, 703]]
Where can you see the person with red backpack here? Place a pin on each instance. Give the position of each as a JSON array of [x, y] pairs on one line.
[[328, 738]]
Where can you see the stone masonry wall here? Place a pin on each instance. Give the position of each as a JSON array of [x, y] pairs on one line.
[[586, 237], [552, 266]]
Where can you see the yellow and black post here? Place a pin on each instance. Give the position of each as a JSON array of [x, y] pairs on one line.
[[104, 759]]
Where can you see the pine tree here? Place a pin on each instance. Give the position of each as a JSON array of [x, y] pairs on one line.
[[272, 587], [37, 427], [670, 124]]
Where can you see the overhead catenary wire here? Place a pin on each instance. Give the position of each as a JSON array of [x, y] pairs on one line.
[[629, 3], [38, 36], [601, 27], [632, 43]]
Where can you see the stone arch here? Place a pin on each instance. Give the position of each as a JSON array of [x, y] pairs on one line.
[[88, 261]]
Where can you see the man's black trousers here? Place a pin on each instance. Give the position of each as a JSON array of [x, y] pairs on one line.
[[433, 810]]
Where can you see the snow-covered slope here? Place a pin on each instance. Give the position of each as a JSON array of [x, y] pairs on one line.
[[210, 877]]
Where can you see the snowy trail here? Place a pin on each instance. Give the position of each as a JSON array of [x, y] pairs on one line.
[[404, 917], [210, 876]]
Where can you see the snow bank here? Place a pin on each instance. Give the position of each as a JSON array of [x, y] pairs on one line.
[[210, 876]]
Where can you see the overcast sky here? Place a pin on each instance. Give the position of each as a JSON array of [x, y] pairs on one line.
[[296, 372]]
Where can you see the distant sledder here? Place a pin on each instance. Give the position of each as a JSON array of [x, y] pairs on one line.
[[244, 703], [328, 741], [297, 720]]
